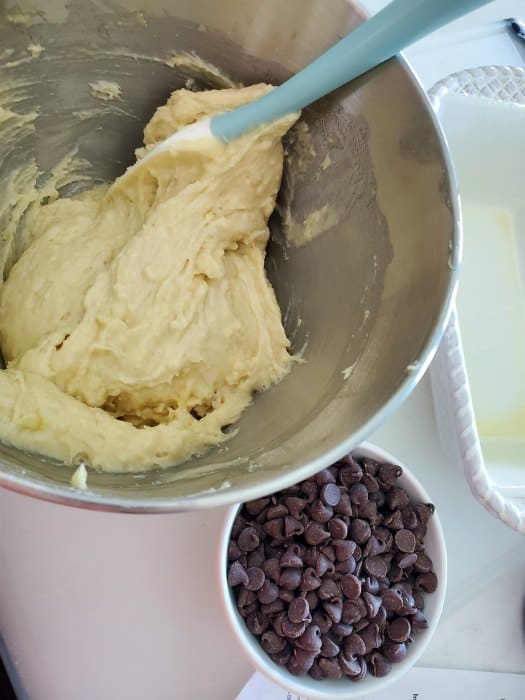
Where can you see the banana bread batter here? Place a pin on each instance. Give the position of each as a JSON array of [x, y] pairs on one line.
[[140, 321]]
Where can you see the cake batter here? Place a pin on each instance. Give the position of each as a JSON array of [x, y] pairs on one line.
[[139, 321]]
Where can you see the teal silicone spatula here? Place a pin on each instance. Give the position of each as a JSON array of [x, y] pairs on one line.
[[399, 24]]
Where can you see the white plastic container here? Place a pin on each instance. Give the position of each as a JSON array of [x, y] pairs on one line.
[[478, 376]]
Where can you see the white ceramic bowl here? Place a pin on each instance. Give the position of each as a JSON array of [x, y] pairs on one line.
[[343, 688]]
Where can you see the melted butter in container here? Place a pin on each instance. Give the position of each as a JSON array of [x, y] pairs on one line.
[[491, 298]]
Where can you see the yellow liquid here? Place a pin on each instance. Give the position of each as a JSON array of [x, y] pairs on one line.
[[491, 309]]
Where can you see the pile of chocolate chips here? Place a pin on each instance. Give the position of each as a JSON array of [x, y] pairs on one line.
[[329, 574]]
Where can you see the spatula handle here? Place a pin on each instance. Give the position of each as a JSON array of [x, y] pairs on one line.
[[398, 25]]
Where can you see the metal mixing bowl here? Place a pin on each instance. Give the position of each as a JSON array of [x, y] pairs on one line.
[[365, 302]]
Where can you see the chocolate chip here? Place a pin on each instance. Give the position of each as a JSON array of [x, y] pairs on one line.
[[292, 630], [405, 561], [396, 574], [316, 672], [385, 536], [340, 630], [301, 661], [399, 629], [312, 600], [290, 579], [352, 611], [361, 624], [256, 578], [299, 610], [419, 599], [255, 507], [405, 541], [329, 648], [344, 549], [295, 506], [375, 566], [380, 618], [394, 652], [274, 528], [389, 474], [325, 477], [310, 639], [272, 569], [354, 646], [362, 672], [351, 472], [320, 512], [409, 518], [328, 589], [292, 527], [291, 557], [233, 550], [330, 494], [246, 597], [330, 668], [351, 586], [323, 565], [322, 620], [286, 595], [378, 497], [283, 656], [237, 574], [358, 494], [329, 551], [257, 623], [394, 521], [346, 567], [371, 636], [238, 526], [423, 563], [371, 585], [273, 608], [315, 533], [272, 643], [360, 530], [373, 604], [374, 546], [369, 465], [419, 621], [279, 510], [310, 490], [257, 557], [397, 498], [379, 666], [337, 528], [370, 483], [248, 540], [333, 608], [349, 666], [427, 582], [424, 512], [344, 507], [310, 581], [268, 593], [392, 600], [368, 511]]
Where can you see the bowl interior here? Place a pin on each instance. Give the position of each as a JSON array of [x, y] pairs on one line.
[[363, 302], [344, 688]]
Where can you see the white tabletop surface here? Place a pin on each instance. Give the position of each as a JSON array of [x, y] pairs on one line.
[[103, 606]]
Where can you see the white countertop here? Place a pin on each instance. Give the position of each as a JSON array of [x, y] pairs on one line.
[[117, 606]]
